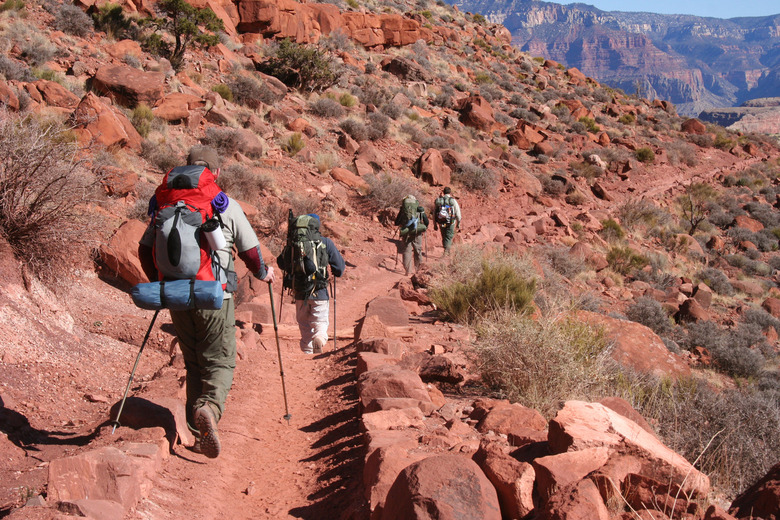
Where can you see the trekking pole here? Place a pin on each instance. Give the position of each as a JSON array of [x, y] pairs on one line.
[[334, 314], [281, 303], [287, 415], [115, 422]]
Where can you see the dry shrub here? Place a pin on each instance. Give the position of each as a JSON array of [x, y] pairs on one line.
[[44, 187], [387, 191], [651, 314], [241, 183], [161, 154], [540, 363]]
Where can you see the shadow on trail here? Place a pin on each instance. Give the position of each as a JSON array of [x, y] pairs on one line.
[[22, 434], [339, 447]]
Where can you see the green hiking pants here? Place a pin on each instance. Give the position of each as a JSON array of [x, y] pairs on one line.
[[447, 234], [208, 343]]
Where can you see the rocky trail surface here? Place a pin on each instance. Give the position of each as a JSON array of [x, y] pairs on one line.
[[309, 467]]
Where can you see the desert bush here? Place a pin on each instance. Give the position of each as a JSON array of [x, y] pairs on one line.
[[327, 107], [347, 100], [378, 126], [387, 191], [300, 66], [160, 154], [355, 129], [241, 183], [13, 70], [12, 5], [44, 190], [651, 314], [476, 178], [764, 213], [627, 119], [303, 204], [563, 262], [645, 155], [732, 433], [110, 19], [72, 20], [539, 363], [225, 140], [722, 142], [751, 267], [293, 144], [642, 212], [611, 231], [624, 260], [325, 161], [142, 118], [496, 286], [774, 263], [224, 91], [590, 124], [680, 152], [585, 169], [553, 187], [249, 91], [716, 280]]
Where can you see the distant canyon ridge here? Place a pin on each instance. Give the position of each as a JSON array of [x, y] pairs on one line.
[[697, 63]]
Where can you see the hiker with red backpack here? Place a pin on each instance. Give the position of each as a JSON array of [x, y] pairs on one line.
[[447, 217], [305, 261], [188, 249], [413, 222]]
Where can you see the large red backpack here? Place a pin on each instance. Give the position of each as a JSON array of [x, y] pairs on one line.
[[184, 201]]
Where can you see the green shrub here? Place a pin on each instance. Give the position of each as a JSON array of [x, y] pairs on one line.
[[645, 155], [300, 66], [611, 230], [44, 191], [347, 100], [627, 119], [142, 118], [723, 143], [224, 91], [110, 19], [479, 19], [624, 260], [353, 4], [498, 286], [293, 144], [590, 124], [12, 5]]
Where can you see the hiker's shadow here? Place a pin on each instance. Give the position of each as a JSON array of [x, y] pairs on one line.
[[22, 434]]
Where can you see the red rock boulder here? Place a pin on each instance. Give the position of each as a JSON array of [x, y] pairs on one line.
[[129, 86]]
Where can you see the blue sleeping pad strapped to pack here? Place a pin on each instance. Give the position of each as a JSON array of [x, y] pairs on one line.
[[178, 295]]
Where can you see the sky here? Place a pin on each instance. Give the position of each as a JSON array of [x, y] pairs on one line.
[[714, 8]]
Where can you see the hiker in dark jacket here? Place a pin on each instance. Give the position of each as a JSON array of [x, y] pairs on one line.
[[208, 337], [312, 305], [412, 228]]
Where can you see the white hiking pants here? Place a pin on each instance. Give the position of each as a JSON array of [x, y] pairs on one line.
[[312, 316]]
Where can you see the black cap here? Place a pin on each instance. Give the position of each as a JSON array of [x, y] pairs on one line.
[[447, 190]]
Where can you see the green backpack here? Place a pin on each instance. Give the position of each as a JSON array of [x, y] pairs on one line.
[[308, 254], [411, 214]]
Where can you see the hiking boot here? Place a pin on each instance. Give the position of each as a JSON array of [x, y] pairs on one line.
[[317, 343], [206, 423]]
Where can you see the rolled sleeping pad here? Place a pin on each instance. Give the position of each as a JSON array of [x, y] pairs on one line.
[[178, 295]]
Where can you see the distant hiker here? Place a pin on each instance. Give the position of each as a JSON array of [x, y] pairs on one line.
[[413, 222], [305, 260], [207, 337], [447, 217]]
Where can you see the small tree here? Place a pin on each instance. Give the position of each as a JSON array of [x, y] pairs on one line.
[[183, 22], [693, 204], [300, 66]]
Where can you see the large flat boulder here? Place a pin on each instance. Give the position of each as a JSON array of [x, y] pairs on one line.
[[129, 86]]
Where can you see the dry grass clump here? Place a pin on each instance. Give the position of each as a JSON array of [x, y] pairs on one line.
[[540, 363], [387, 191]]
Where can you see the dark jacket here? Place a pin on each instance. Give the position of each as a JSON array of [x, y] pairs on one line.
[[335, 261]]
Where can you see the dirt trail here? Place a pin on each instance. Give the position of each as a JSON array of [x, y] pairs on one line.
[[310, 468]]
